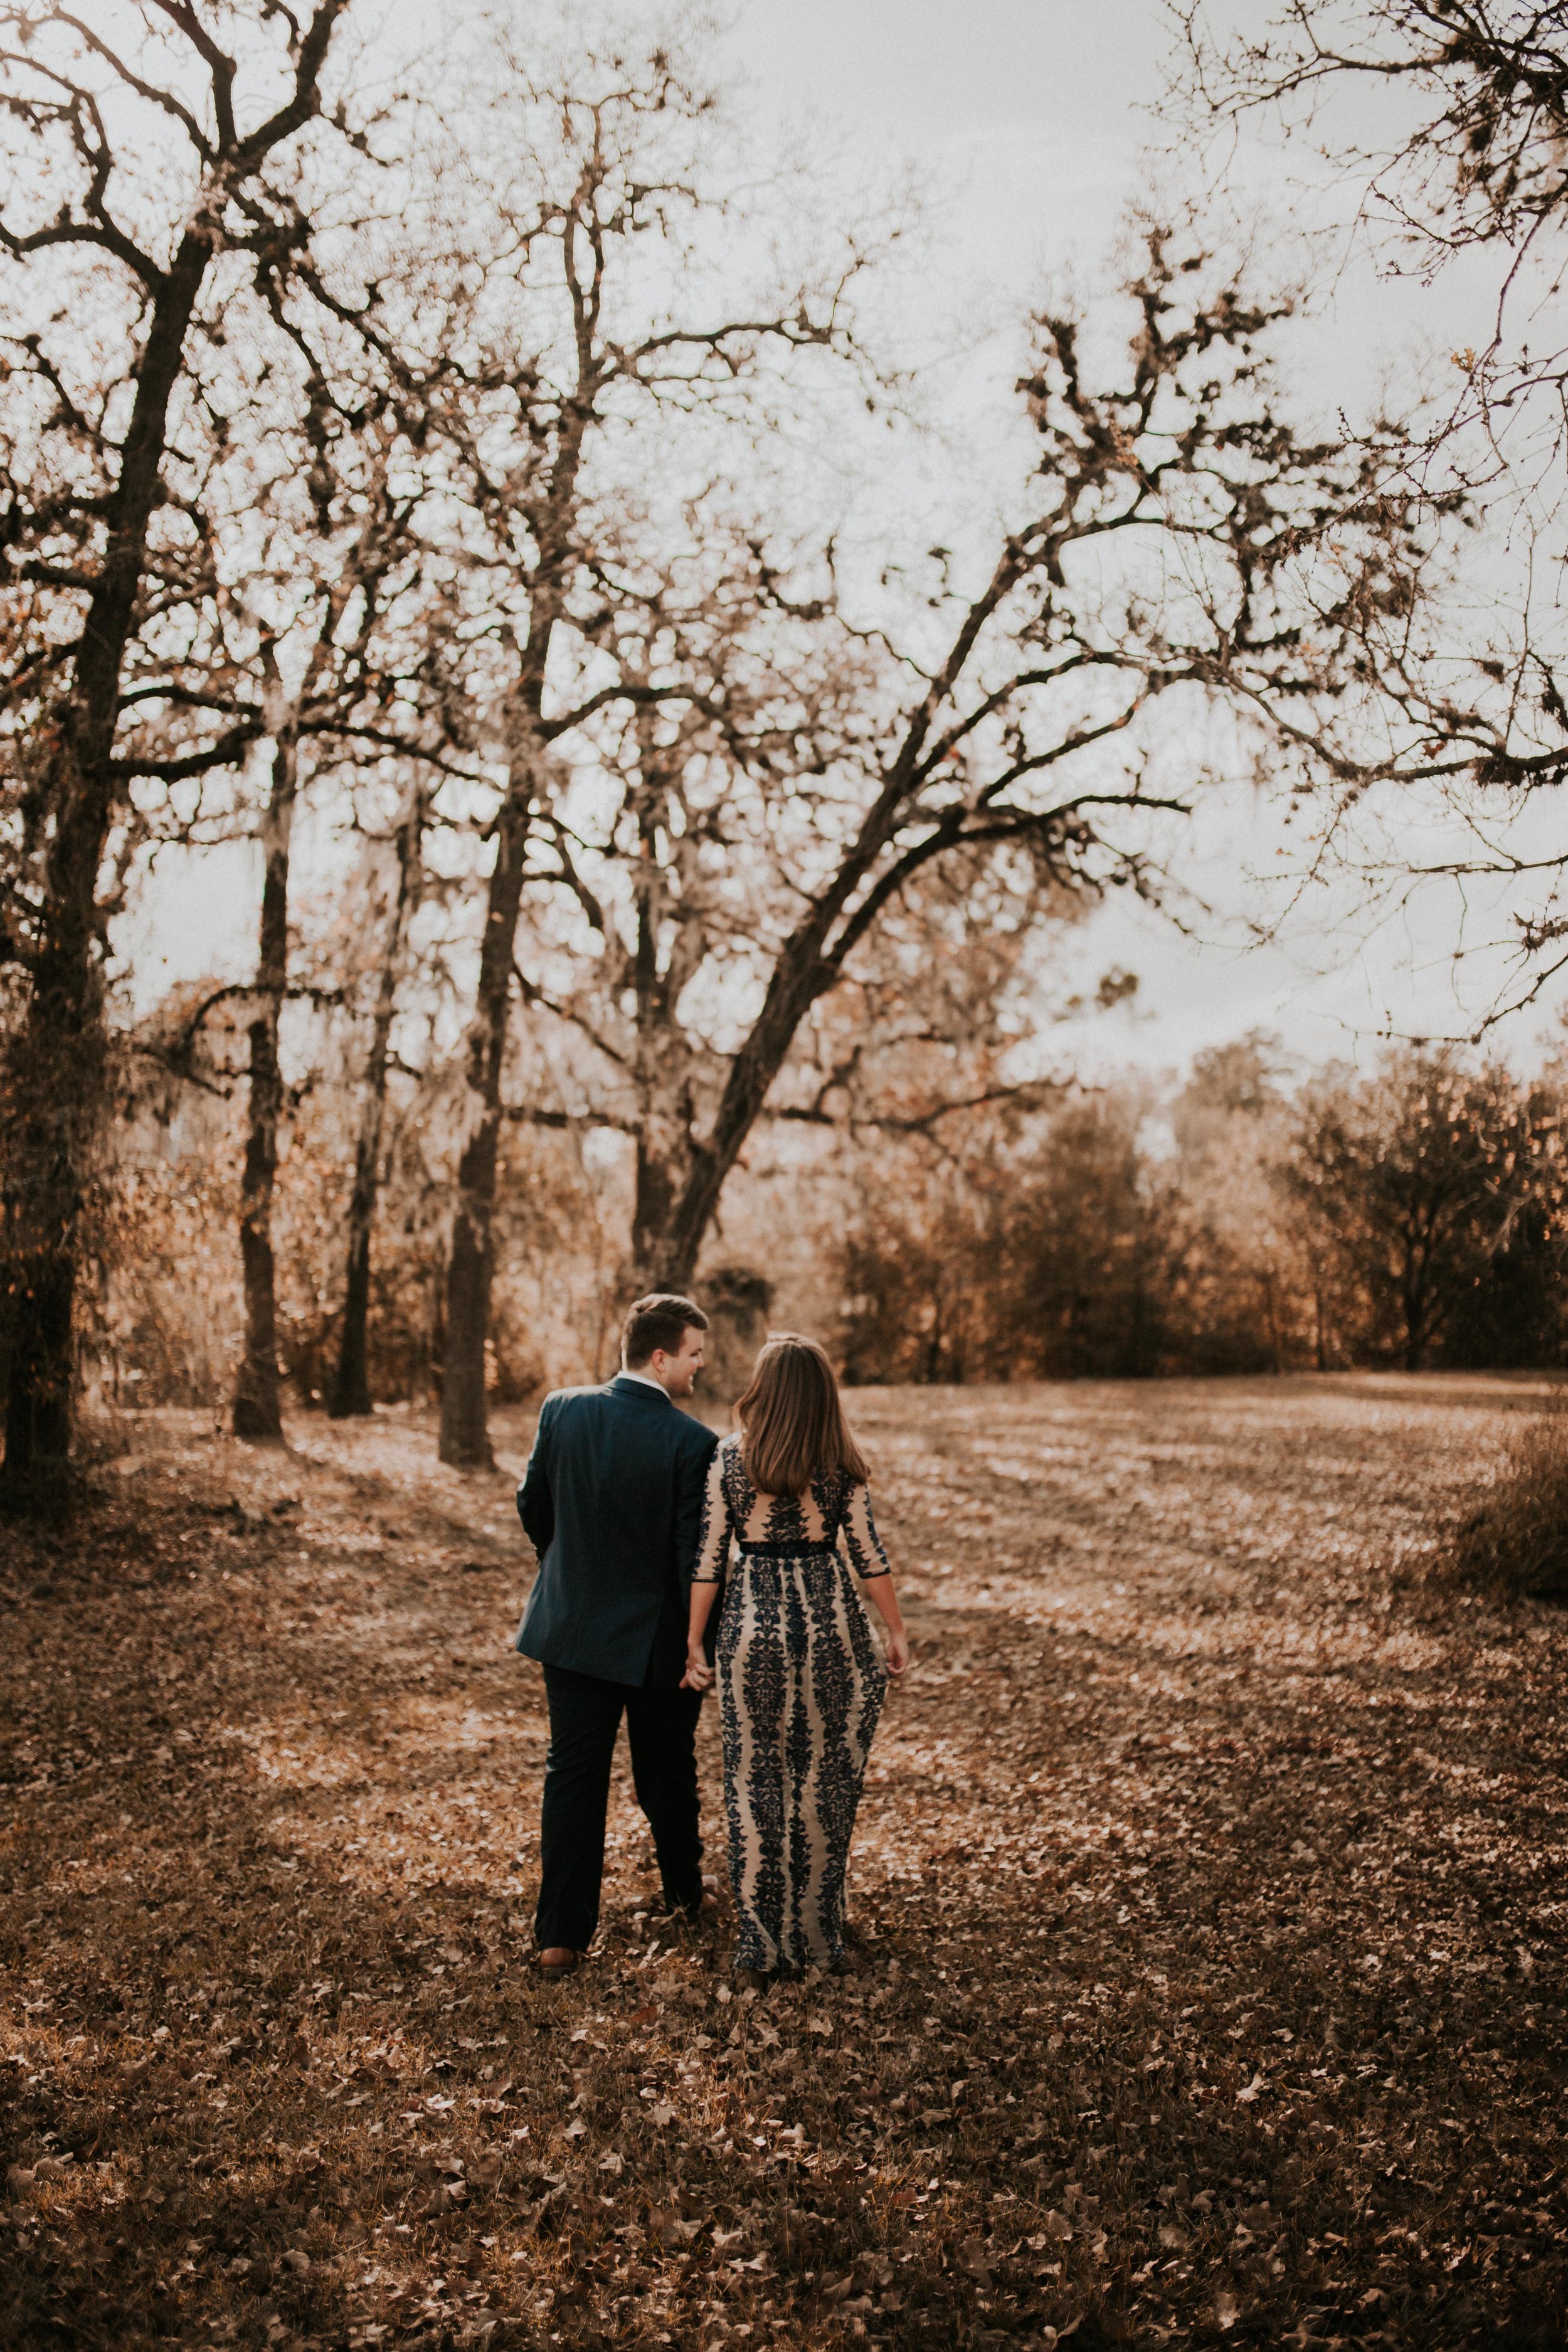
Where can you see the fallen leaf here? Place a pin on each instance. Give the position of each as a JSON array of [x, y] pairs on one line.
[[976, 2260]]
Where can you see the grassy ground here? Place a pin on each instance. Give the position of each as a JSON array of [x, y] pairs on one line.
[[1210, 1877]]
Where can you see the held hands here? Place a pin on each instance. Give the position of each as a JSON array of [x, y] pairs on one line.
[[699, 1674]]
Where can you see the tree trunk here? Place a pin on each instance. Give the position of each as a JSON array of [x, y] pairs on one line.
[[799, 979], [58, 1071], [38, 1396], [1414, 1307], [1271, 1321], [664, 1157], [465, 1440], [258, 1407], [351, 1394], [56, 1100], [652, 1201]]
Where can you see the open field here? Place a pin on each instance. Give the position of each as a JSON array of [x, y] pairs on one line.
[[1210, 1880]]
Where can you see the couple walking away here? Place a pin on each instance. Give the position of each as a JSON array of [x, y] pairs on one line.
[[633, 1507]]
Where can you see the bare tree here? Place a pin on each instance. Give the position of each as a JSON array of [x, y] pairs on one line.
[[583, 362], [1476, 154], [95, 520], [1467, 715], [1182, 547], [677, 866], [348, 698], [351, 1390], [663, 854]]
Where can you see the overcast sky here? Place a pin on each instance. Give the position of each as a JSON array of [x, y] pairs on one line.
[[1028, 122]]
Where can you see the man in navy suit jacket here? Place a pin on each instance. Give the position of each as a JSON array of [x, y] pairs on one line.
[[612, 1502]]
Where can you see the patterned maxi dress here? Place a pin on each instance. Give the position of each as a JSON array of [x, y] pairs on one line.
[[801, 1684]]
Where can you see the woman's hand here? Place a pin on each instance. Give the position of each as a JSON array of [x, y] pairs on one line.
[[699, 1674], [897, 1651]]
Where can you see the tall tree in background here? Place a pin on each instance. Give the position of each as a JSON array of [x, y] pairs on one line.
[[95, 520], [1420, 1177], [588, 231], [351, 1387], [1178, 545], [685, 867], [344, 698], [675, 861]]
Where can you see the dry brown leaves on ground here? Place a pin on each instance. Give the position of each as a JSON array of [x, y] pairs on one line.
[[1209, 1880]]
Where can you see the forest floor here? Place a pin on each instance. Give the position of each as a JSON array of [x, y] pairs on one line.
[[1209, 1877]]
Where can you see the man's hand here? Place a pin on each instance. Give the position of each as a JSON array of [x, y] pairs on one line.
[[699, 1674]]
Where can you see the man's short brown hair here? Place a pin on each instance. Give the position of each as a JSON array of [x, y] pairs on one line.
[[655, 1322]]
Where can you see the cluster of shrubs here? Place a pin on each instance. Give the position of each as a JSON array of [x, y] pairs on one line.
[[1416, 1218], [1515, 1540]]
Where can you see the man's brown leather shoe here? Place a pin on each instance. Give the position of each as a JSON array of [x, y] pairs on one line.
[[558, 1960]]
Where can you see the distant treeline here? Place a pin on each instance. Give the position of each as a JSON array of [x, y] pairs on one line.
[[1248, 1221], [1411, 1218]]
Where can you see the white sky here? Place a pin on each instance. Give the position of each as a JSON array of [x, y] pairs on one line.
[[1026, 119]]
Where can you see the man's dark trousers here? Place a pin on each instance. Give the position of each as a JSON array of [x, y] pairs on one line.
[[662, 1729]]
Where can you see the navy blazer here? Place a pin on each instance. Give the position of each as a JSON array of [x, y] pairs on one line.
[[612, 1502]]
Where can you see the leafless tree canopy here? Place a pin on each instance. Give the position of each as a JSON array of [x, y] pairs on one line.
[[1472, 151], [1445, 120], [419, 485]]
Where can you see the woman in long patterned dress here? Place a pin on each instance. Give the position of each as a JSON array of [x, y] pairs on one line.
[[801, 1679]]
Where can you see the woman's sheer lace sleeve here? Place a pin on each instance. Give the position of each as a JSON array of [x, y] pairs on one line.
[[713, 1528], [865, 1554]]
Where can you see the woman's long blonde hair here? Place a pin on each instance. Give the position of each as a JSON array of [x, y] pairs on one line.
[[792, 1428]]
